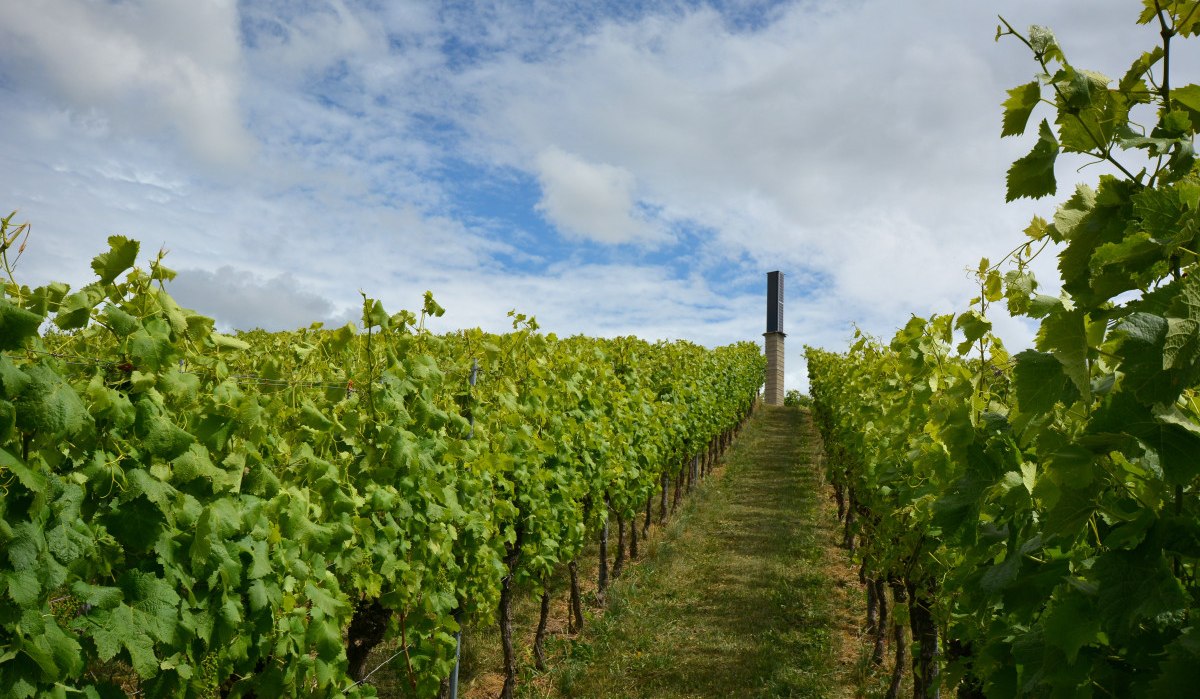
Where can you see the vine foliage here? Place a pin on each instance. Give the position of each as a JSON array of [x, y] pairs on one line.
[[1043, 506], [187, 513]]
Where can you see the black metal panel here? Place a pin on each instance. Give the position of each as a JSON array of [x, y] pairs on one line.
[[774, 302]]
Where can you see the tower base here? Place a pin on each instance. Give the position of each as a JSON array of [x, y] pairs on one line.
[[773, 393]]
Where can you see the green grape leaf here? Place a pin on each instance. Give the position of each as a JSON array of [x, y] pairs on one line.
[[973, 326], [176, 317], [1159, 211], [155, 602], [1134, 586], [1071, 511], [226, 342], [48, 406], [1072, 212], [31, 479], [64, 649], [142, 482], [149, 353], [1105, 223], [323, 600], [340, 339], [1089, 116], [1179, 674], [1018, 291], [121, 255], [432, 307], [178, 384], [121, 323], [24, 546], [1174, 125], [195, 463], [311, 417], [1078, 89], [325, 637], [16, 325], [257, 594], [959, 505], [115, 629], [1017, 108], [45, 299], [1037, 581], [1044, 45], [1133, 82], [1071, 466], [373, 314], [1181, 337], [1176, 440], [1038, 228], [1181, 347], [8, 422], [1071, 624], [23, 587], [98, 596], [76, 310], [1040, 382], [1188, 96], [1145, 357], [993, 287], [65, 543], [1144, 337], [260, 565], [1131, 263], [1033, 175], [1001, 575], [198, 326], [1063, 334], [166, 440]]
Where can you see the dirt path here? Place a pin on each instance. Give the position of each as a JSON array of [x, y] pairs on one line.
[[743, 596]]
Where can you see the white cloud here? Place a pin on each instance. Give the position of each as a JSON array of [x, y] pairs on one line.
[[605, 300], [854, 145], [861, 142], [166, 69], [591, 201]]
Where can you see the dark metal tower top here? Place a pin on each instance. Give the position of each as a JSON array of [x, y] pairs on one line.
[[775, 302]]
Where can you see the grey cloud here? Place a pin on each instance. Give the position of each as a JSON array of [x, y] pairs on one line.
[[240, 300]]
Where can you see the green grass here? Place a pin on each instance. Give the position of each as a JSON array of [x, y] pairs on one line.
[[733, 600]]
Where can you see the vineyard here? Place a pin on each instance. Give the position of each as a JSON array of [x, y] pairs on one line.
[[189, 513], [1037, 514]]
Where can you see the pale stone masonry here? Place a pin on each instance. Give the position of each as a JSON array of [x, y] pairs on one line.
[[773, 393]]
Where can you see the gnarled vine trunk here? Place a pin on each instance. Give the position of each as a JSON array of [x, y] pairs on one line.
[[925, 638], [899, 597], [539, 655]]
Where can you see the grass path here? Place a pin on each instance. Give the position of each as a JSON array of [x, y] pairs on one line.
[[742, 596]]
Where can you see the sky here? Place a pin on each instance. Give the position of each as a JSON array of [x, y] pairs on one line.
[[620, 167]]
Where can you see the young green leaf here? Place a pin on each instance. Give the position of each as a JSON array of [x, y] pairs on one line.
[[1033, 175], [121, 255], [1017, 108]]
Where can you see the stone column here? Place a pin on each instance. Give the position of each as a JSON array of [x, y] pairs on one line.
[[773, 393]]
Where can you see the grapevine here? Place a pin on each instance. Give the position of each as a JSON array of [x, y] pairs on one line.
[[1039, 510], [189, 513]]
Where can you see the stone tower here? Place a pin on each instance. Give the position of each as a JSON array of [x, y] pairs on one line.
[[773, 393]]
